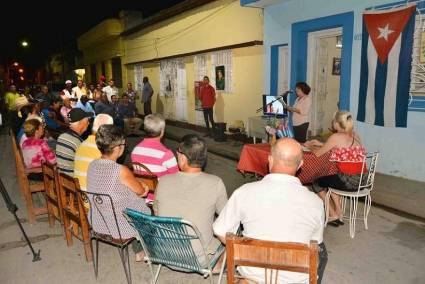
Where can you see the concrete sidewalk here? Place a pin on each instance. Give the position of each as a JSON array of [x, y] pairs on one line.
[[397, 193], [391, 251]]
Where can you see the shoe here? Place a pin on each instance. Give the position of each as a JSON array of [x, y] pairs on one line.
[[333, 223], [339, 222]]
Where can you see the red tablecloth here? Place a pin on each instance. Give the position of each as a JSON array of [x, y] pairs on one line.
[[254, 159]]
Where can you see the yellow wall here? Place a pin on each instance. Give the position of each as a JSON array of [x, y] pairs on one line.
[[247, 87], [217, 24], [101, 44]]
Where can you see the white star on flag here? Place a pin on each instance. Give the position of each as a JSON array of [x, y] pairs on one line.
[[384, 32]]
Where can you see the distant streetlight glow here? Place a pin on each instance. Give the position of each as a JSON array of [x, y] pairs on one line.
[[22, 78], [24, 43], [15, 64], [21, 70]]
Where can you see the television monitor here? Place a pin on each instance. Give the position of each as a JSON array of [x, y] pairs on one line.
[[273, 107]]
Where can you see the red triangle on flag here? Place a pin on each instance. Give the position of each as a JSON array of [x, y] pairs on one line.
[[384, 28]]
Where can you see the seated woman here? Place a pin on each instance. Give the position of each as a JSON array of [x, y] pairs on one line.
[[35, 149], [106, 176], [347, 151]]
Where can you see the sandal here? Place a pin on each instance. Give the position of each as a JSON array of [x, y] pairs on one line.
[[333, 221]]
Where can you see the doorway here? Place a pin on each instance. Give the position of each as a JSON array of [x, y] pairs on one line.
[[323, 74], [181, 98]]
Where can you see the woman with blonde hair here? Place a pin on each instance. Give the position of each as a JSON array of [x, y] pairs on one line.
[[348, 152]]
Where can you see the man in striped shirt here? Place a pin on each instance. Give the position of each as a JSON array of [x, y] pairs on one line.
[[88, 151], [69, 141], [151, 152]]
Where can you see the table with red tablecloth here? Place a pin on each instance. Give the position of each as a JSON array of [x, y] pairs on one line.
[[254, 159]]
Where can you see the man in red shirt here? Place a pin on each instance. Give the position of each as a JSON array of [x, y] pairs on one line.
[[207, 97]]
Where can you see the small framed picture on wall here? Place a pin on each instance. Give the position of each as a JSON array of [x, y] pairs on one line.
[[336, 66]]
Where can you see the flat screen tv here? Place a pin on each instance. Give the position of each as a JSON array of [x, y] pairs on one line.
[[274, 108]]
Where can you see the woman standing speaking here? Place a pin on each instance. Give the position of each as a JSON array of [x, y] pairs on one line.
[[301, 111]]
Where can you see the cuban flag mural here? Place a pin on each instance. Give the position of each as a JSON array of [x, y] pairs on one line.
[[387, 43]]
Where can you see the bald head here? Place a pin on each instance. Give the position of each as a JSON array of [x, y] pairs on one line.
[[286, 157]]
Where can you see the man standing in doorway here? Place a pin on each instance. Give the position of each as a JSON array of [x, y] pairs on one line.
[[147, 93], [207, 97]]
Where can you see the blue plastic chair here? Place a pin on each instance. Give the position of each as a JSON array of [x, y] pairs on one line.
[[168, 241]]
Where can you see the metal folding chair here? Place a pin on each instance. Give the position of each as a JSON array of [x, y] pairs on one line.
[[169, 241]]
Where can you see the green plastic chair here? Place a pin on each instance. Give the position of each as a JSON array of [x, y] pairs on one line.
[[168, 241]]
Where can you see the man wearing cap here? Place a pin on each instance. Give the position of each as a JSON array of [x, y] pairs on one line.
[[69, 141], [67, 92]]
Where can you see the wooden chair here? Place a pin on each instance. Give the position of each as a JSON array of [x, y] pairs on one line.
[[74, 214], [142, 173], [53, 201], [273, 256], [145, 175], [26, 186]]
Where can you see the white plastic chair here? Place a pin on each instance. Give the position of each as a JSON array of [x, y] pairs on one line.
[[364, 189]]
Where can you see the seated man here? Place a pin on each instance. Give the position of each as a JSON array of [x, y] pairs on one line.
[[277, 208], [69, 141], [106, 107], [84, 104], [127, 112], [192, 194], [54, 124], [151, 152], [87, 151]]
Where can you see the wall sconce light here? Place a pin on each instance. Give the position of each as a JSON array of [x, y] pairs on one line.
[[339, 41]]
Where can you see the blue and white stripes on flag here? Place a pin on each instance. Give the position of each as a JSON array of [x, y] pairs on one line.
[[386, 59]]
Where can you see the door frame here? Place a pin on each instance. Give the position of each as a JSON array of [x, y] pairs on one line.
[[312, 39], [299, 37]]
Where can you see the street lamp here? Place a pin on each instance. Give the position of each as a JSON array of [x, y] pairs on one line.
[[16, 64], [24, 43]]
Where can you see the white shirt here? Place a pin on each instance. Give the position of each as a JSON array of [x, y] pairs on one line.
[[77, 92], [110, 92], [67, 94], [303, 105], [277, 208]]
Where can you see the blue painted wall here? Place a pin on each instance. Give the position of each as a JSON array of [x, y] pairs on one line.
[[401, 149]]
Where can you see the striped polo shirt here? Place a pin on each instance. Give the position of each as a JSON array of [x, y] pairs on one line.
[[154, 155], [66, 146], [85, 154]]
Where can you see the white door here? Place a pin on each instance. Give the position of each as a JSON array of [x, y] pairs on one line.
[[318, 109], [181, 98], [283, 84], [317, 78]]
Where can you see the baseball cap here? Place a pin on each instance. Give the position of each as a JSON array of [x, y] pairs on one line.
[[77, 114], [68, 82]]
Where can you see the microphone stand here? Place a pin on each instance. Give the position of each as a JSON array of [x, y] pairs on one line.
[[13, 208]]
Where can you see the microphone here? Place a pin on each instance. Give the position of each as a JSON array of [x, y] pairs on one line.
[[282, 97]]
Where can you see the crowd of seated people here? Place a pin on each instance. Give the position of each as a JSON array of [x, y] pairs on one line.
[[184, 189]]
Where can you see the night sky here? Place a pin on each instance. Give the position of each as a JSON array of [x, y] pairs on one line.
[[45, 26]]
